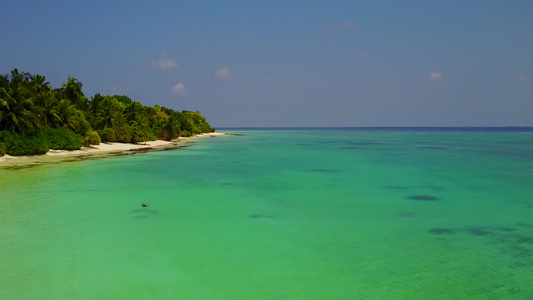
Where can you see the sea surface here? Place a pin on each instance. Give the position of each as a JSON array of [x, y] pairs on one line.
[[375, 213]]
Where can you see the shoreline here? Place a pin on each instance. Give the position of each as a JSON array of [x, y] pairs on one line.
[[103, 150]]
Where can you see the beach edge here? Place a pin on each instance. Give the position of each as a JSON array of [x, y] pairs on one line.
[[103, 150]]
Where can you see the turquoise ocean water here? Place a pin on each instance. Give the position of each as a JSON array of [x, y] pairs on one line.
[[278, 214]]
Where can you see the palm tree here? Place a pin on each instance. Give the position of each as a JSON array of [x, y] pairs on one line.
[[17, 112], [4, 81], [48, 105], [67, 115], [108, 115], [38, 84], [72, 91], [134, 111], [19, 78], [140, 130]]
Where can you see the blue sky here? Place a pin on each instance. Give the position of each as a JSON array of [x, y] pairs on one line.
[[289, 63]]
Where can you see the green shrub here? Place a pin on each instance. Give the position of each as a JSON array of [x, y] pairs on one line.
[[185, 133], [140, 134], [3, 149], [62, 138], [124, 134], [17, 144], [204, 127], [92, 138], [107, 135]]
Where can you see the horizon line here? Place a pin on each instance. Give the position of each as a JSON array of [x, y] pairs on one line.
[[389, 128], [506, 126]]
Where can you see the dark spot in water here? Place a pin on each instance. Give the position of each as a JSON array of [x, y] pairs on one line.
[[478, 231], [142, 150], [441, 231], [331, 142], [434, 147], [257, 216], [141, 217], [17, 167], [528, 204], [365, 143], [407, 215], [423, 198], [82, 157], [524, 225], [349, 148], [507, 229], [523, 239], [120, 153], [146, 210]]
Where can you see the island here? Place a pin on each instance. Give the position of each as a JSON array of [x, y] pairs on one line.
[[36, 119]]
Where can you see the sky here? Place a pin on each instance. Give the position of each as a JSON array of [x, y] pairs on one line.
[[288, 63]]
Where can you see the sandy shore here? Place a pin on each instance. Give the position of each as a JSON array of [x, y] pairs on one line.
[[97, 151]]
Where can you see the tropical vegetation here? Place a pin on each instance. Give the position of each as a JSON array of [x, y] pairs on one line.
[[34, 117]]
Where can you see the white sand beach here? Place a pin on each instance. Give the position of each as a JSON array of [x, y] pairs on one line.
[[101, 150]]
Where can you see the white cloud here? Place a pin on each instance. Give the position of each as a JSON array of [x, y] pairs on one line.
[[179, 89], [165, 63], [223, 74], [522, 78], [435, 76]]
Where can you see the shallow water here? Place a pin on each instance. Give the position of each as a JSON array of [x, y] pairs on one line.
[[306, 214]]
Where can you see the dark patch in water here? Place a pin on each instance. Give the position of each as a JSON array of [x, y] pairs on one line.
[[331, 142], [142, 150], [349, 148], [524, 225], [442, 231], [528, 204], [478, 231], [21, 167], [434, 147], [140, 217], [523, 239], [146, 211], [506, 229], [257, 216], [423, 198], [120, 153], [365, 143]]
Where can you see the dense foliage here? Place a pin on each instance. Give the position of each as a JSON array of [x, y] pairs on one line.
[[3, 149], [62, 138], [18, 144], [34, 117]]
